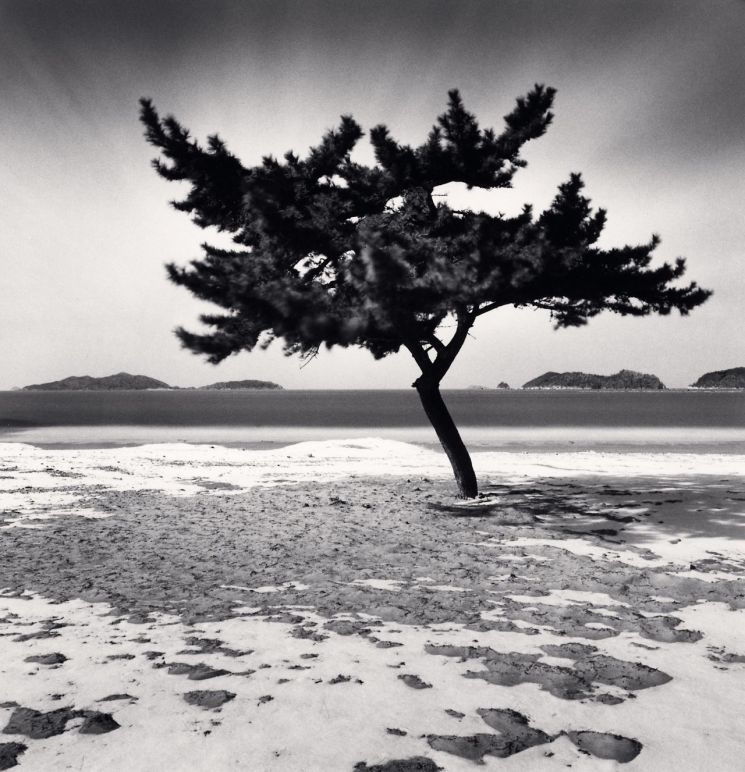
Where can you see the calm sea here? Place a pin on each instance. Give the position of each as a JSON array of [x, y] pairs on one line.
[[682, 420]]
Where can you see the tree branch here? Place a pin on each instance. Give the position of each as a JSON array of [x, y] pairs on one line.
[[447, 355], [490, 307], [420, 355], [313, 273], [436, 343]]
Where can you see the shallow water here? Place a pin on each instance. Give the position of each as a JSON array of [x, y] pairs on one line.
[[489, 420]]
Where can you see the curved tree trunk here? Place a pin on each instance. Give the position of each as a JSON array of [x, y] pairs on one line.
[[449, 437]]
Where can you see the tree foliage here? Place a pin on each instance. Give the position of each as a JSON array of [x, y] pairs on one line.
[[322, 257], [332, 252]]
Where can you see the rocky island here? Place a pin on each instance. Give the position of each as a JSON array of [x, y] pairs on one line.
[[127, 382], [500, 385], [118, 382], [734, 378], [623, 379], [238, 385]]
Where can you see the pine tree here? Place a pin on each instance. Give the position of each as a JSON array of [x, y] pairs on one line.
[[330, 252]]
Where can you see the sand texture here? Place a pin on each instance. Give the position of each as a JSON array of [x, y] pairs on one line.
[[332, 606]]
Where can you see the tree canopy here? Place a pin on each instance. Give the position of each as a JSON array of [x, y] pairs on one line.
[[331, 252]]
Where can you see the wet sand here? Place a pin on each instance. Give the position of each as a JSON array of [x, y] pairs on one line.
[[332, 606]]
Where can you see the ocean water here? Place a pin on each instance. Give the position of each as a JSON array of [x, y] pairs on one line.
[[700, 421]]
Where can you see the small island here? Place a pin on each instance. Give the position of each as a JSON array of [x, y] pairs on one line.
[[118, 382], [734, 378], [240, 385], [127, 382], [500, 385], [622, 380]]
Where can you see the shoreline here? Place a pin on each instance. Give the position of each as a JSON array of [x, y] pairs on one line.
[[551, 439]]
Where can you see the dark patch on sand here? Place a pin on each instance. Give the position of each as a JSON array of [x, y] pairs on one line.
[[113, 697], [209, 699], [473, 747], [199, 672], [97, 723], [307, 633], [340, 679], [9, 753], [414, 764], [569, 650], [115, 469], [414, 681], [39, 725], [347, 627], [383, 644], [606, 746], [283, 617], [210, 646], [568, 683], [40, 634], [54, 658], [213, 485], [515, 726], [62, 473], [573, 619], [516, 735], [722, 655]]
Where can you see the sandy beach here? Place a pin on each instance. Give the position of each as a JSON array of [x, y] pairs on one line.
[[332, 606]]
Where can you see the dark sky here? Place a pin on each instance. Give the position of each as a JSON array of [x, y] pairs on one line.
[[650, 107]]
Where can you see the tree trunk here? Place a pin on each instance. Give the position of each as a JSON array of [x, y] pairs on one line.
[[449, 437]]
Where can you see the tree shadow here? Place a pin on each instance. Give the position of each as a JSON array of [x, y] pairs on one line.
[[631, 510]]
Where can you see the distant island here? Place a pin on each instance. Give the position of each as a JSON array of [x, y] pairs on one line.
[[734, 378], [126, 382], [624, 379], [228, 385], [118, 382], [500, 385]]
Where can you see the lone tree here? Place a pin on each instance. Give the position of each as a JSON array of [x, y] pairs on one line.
[[335, 253]]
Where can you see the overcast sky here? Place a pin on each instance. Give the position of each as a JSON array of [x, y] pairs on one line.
[[650, 107]]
